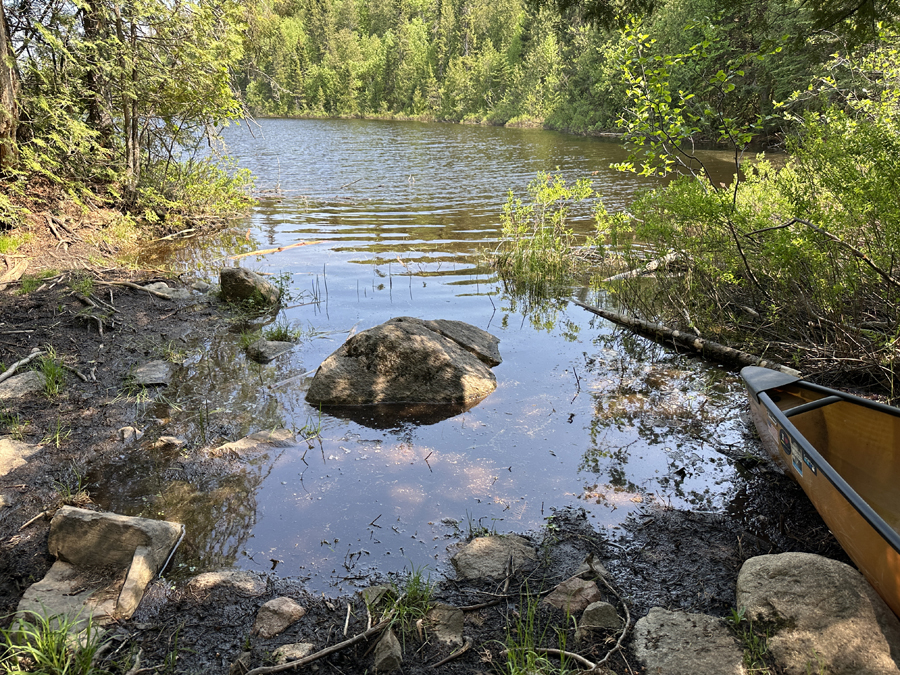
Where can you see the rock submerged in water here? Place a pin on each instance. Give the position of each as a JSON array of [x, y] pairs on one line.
[[407, 360], [241, 285]]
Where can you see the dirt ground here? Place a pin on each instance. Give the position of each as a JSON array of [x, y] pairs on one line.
[[662, 557]]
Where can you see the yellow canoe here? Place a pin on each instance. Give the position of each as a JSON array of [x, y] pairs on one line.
[[845, 453]]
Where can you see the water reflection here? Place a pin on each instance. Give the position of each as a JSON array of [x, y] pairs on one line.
[[583, 413]]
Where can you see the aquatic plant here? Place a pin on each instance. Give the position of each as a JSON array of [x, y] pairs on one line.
[[536, 251]]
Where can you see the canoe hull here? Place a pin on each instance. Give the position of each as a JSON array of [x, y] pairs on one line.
[[864, 534]]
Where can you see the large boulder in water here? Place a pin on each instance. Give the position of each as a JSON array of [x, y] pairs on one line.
[[408, 360]]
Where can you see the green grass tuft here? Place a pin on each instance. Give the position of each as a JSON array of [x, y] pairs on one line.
[[51, 646]]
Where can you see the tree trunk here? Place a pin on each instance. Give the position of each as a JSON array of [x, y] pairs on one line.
[[95, 27], [9, 110]]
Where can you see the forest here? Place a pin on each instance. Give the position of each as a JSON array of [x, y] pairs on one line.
[[119, 106]]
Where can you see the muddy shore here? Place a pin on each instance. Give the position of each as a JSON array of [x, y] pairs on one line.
[[659, 557]]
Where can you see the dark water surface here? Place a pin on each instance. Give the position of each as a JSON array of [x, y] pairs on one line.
[[583, 414]]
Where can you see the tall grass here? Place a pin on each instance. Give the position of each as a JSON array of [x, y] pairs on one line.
[[536, 252], [56, 645]]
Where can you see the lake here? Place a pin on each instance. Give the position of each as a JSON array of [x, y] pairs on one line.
[[405, 216]]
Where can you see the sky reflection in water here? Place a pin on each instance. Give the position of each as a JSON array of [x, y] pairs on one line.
[[583, 414]]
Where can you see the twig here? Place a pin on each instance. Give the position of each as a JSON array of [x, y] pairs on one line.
[[42, 514], [377, 628], [12, 369], [618, 644], [347, 620], [483, 605], [81, 376], [855, 251], [467, 645], [279, 249], [590, 665]]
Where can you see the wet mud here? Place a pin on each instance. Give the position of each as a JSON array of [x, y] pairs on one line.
[[660, 556]]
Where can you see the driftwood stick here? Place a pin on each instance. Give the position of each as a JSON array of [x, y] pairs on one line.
[[467, 644], [483, 605], [377, 628], [706, 347], [42, 514], [128, 284], [12, 369], [265, 251], [81, 376]]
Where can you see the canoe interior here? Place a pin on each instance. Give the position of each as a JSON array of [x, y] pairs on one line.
[[861, 444]]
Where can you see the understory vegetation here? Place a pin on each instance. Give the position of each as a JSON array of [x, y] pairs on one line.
[[795, 260], [103, 106]]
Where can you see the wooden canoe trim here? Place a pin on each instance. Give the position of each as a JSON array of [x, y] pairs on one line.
[[660, 333]]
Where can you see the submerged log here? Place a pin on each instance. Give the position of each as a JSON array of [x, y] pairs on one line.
[[708, 348]]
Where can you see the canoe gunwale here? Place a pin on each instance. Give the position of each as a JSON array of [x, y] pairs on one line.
[[884, 530], [759, 380]]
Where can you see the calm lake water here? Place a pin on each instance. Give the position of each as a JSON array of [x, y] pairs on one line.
[[584, 414]]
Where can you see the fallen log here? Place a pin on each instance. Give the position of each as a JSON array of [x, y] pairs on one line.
[[651, 266], [660, 333]]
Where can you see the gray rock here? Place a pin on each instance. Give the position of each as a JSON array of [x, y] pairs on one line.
[[373, 594], [677, 643], [264, 351], [246, 584], [241, 285], [14, 454], [488, 557], [401, 361], [168, 443], [446, 624], [292, 652], [104, 563], [90, 539], [164, 289], [256, 441], [600, 615], [834, 619], [474, 340], [67, 594], [388, 654], [129, 434], [29, 382], [7, 501], [201, 286], [153, 373], [276, 616], [574, 595], [241, 666]]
